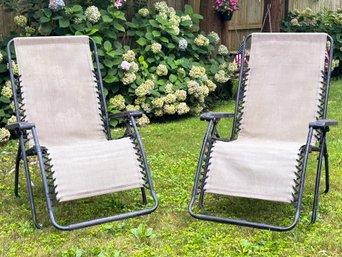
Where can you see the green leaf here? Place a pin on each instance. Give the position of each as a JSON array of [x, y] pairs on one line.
[[76, 8], [47, 12], [108, 63], [156, 33], [107, 46], [197, 16], [173, 78], [5, 100], [149, 36], [92, 31], [154, 23], [63, 23], [141, 41], [2, 113], [107, 19], [98, 40], [171, 46], [44, 19], [188, 9], [164, 39], [110, 79], [119, 27]]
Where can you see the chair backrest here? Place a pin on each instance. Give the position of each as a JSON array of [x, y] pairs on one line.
[[284, 85], [59, 90]]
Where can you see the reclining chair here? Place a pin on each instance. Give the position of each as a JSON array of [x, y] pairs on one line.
[[279, 118], [62, 118]]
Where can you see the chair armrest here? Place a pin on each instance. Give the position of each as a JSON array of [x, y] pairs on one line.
[[322, 124], [215, 115], [120, 115], [20, 126]]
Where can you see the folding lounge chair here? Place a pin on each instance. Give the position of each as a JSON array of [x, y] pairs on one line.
[[62, 118], [280, 113]]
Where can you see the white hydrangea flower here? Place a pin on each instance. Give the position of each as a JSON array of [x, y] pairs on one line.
[[223, 50], [169, 109], [12, 106], [201, 40], [335, 63], [182, 44], [118, 102], [146, 107], [158, 102], [205, 90], [135, 67], [20, 20], [197, 72], [140, 100], [128, 78], [158, 112], [221, 77], [92, 14], [161, 7], [169, 88], [214, 36], [192, 87], [170, 98], [131, 108], [162, 70], [7, 90], [144, 12], [198, 109], [176, 29], [156, 48], [182, 108], [294, 22], [1, 57], [145, 88], [143, 121], [232, 66], [211, 85], [77, 20], [174, 19], [129, 56], [4, 135], [12, 120], [29, 30], [15, 68], [181, 95]]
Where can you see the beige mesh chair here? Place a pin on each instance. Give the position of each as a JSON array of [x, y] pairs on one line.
[[62, 118], [280, 113]]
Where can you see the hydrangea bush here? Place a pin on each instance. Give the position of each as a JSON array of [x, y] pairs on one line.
[[159, 62], [323, 21]]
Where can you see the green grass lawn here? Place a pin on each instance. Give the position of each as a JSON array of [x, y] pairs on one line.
[[172, 149]]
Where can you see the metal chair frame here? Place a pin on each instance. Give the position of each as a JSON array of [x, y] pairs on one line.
[[212, 134], [22, 128]]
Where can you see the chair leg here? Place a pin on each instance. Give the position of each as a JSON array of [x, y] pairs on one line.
[[143, 193], [29, 186], [16, 178], [326, 162], [318, 179]]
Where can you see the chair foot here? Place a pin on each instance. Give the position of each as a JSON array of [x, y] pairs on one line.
[[143, 193], [16, 178]]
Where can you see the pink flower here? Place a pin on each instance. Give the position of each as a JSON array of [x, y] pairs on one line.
[[118, 4], [125, 65]]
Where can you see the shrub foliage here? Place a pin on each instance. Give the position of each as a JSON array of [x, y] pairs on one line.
[[158, 61]]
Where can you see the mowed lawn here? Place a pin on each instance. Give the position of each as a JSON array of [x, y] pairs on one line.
[[172, 149]]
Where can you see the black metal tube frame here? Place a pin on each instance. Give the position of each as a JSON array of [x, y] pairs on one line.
[[22, 154], [212, 133]]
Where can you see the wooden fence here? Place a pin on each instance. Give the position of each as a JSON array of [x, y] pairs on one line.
[[315, 5]]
